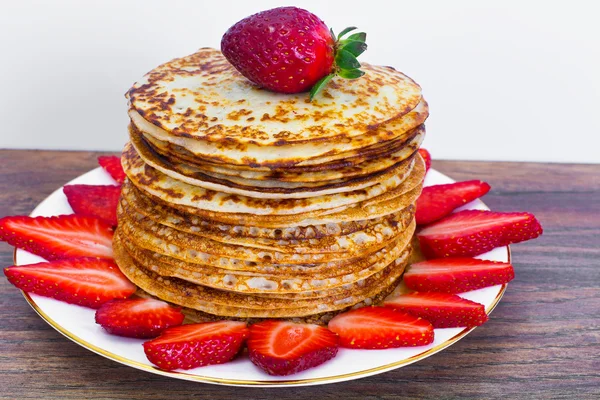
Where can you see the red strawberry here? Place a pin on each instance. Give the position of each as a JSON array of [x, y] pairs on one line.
[[380, 328], [94, 201], [290, 50], [196, 345], [112, 165], [426, 157], [88, 282], [473, 232], [284, 348], [63, 236], [441, 309], [138, 318], [438, 201], [457, 275]]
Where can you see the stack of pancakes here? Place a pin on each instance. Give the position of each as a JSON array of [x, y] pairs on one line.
[[242, 203]]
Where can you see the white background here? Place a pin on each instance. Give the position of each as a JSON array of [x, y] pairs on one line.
[[505, 80]]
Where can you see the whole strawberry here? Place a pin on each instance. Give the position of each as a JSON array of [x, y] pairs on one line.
[[290, 50]]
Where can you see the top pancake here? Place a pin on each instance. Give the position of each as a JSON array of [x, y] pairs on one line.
[[203, 97]]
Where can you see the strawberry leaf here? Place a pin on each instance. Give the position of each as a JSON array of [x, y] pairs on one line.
[[354, 46], [320, 85], [346, 60], [361, 37], [351, 73], [345, 31], [346, 64]]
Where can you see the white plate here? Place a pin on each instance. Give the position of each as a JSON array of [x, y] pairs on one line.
[[77, 323]]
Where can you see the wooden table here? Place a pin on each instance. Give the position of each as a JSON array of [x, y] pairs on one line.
[[542, 341]]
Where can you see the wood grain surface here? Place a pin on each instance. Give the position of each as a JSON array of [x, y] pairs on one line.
[[542, 341]]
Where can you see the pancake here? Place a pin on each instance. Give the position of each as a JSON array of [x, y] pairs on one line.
[[378, 150], [273, 278], [169, 160], [291, 286], [331, 268], [174, 191], [135, 201], [283, 156], [274, 189], [357, 242], [203, 97], [218, 265], [195, 316], [230, 304], [150, 235], [385, 204], [375, 158]]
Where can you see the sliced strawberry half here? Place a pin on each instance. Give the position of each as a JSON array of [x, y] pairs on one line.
[[64, 236], [457, 275], [94, 201], [438, 201], [380, 328], [441, 309], [112, 165], [196, 345], [472, 232], [426, 157], [284, 348], [138, 318], [88, 282]]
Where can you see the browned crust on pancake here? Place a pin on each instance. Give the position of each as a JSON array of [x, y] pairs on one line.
[[197, 316], [390, 202], [381, 149], [147, 152], [138, 228], [159, 212], [379, 233], [291, 313]]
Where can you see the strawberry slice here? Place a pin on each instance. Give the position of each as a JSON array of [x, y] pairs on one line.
[[441, 309], [380, 328], [94, 201], [196, 345], [472, 232], [284, 348], [112, 165], [457, 275], [138, 318], [437, 201], [88, 282], [426, 157], [63, 236]]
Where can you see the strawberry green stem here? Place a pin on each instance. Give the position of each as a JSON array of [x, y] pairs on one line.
[[346, 64]]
